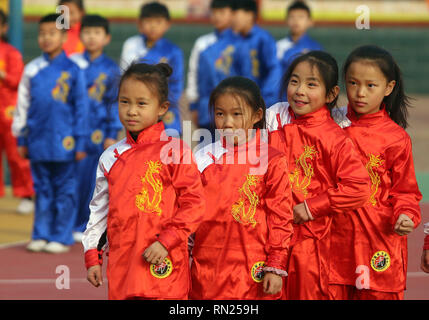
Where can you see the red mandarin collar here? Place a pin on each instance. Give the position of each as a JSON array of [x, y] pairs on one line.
[[149, 135], [366, 119], [312, 118]]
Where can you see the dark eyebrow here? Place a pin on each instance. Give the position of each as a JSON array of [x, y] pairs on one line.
[[313, 79]]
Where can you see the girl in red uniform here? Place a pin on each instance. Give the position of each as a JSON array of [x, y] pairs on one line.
[[369, 251], [240, 248], [148, 198], [11, 67], [325, 172]]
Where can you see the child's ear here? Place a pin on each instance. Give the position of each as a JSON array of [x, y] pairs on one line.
[[333, 94], [140, 25], [163, 108], [257, 116], [389, 88], [107, 39]]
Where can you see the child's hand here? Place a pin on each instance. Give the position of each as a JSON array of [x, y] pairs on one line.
[[300, 214], [404, 225], [425, 261], [155, 253], [23, 152], [94, 275], [80, 155], [272, 283], [108, 142]]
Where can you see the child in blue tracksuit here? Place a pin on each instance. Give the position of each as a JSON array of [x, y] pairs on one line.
[[50, 124], [261, 64], [298, 42], [101, 75], [150, 47], [202, 74]]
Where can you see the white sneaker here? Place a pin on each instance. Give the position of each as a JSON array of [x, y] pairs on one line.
[[56, 247], [37, 245], [26, 206], [77, 236]]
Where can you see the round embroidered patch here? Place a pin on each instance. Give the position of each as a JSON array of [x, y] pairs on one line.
[[257, 273], [68, 143], [8, 112], [162, 270], [168, 117], [97, 136], [380, 261]]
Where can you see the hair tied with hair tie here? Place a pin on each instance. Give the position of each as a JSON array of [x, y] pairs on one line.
[[165, 69]]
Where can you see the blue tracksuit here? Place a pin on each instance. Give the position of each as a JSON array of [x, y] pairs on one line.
[[222, 59], [261, 64], [51, 120], [102, 77], [135, 50], [287, 50]]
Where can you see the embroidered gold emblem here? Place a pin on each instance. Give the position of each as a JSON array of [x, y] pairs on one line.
[[168, 117], [68, 143], [61, 90], [307, 168], [142, 199], [380, 261], [257, 271], [162, 270], [224, 62], [373, 162], [8, 112], [96, 91], [97, 136], [255, 63], [238, 209]]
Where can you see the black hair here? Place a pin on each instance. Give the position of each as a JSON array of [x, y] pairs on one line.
[[298, 5], [153, 76], [243, 88], [78, 3], [154, 9], [325, 64], [52, 17], [3, 21], [397, 102], [95, 20], [247, 5], [218, 4]]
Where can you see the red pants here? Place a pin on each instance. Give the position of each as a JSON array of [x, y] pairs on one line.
[[22, 183], [308, 271], [345, 292]]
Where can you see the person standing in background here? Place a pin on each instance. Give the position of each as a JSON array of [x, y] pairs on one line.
[[76, 12]]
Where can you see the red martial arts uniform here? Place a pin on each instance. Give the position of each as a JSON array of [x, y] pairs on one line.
[[366, 252], [11, 63], [141, 196], [325, 171], [247, 226], [73, 43]]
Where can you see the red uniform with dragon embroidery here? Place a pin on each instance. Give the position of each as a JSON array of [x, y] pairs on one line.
[[146, 190], [11, 63], [247, 226], [326, 173], [364, 243]]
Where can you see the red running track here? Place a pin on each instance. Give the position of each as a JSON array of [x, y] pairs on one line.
[[27, 276]]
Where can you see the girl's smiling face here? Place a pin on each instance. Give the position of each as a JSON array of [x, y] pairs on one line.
[[366, 87], [139, 106], [235, 118], [306, 91]]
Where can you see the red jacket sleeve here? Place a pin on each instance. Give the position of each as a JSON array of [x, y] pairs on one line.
[[278, 200], [14, 68], [404, 195], [352, 185], [186, 181]]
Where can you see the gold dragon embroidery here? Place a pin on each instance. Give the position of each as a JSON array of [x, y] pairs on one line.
[[142, 199], [61, 90], [96, 91], [238, 209], [373, 162], [224, 62], [301, 186]]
